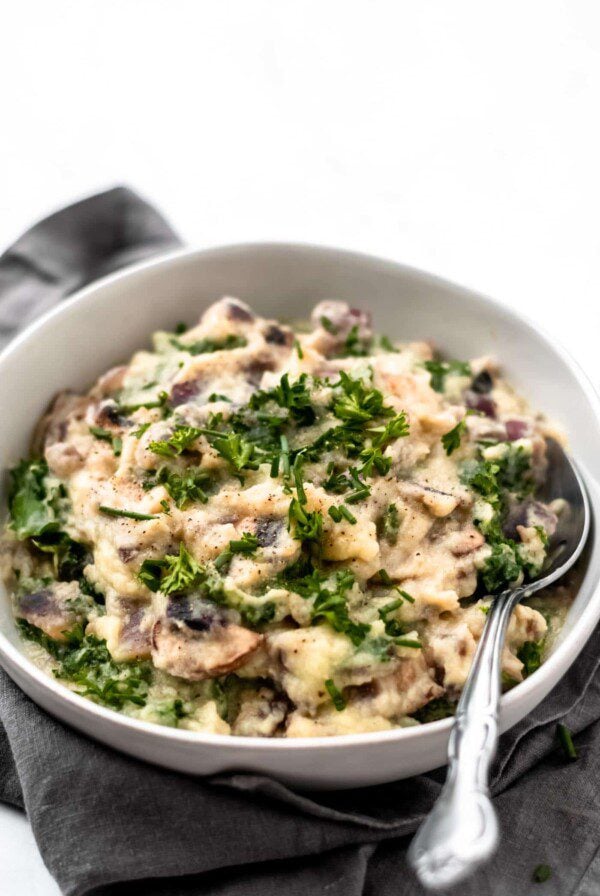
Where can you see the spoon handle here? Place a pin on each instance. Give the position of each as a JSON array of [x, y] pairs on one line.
[[462, 830]]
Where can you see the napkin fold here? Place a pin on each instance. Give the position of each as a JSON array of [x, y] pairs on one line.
[[109, 825]]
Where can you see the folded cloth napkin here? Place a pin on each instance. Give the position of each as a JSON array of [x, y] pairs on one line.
[[108, 824]]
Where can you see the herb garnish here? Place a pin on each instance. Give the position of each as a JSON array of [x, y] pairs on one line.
[[439, 370], [355, 346], [247, 545], [162, 401], [205, 346], [336, 695], [440, 708], [139, 432], [185, 487], [566, 741], [182, 438], [451, 439], [388, 525], [359, 403], [106, 436], [85, 661], [173, 573], [495, 480], [530, 654], [339, 512], [327, 325], [34, 504], [127, 514], [295, 398], [541, 874], [328, 603]]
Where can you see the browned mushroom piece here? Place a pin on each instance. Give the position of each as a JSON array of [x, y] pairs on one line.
[[196, 640], [409, 687], [52, 427], [341, 319], [52, 609], [261, 713]]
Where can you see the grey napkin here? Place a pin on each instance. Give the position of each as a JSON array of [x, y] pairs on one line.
[[107, 824]]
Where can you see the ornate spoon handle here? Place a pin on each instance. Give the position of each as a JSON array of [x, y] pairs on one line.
[[462, 830]]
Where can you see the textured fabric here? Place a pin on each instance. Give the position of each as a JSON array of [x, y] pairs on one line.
[[110, 825], [73, 247]]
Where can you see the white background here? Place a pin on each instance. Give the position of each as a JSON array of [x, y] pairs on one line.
[[460, 137]]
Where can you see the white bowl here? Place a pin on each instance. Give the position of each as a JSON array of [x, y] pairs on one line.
[[103, 324]]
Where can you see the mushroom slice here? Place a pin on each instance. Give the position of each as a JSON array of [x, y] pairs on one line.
[[196, 640], [53, 426], [53, 609]]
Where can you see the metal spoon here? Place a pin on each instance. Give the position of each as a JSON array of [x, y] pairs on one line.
[[461, 831]]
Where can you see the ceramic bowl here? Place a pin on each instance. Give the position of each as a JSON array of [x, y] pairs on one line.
[[103, 324]]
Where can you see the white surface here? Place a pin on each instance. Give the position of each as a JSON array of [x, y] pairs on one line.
[[460, 137]]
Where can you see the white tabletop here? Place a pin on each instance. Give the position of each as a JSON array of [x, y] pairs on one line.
[[458, 137]]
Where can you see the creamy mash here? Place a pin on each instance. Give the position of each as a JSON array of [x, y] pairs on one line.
[[255, 529]]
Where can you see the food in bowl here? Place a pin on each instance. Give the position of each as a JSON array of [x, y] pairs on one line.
[[259, 529]]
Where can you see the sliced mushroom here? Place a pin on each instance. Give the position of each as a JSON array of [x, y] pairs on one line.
[[126, 631], [438, 503], [52, 609], [402, 692], [196, 640], [340, 319], [261, 713], [53, 425]]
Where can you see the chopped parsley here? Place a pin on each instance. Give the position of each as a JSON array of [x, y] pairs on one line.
[[440, 708], [85, 662], [205, 346], [495, 480], [182, 438], [34, 504], [439, 370], [355, 346], [387, 345], [329, 604], [566, 741], [237, 450], [388, 525], [185, 487], [216, 396], [451, 439], [358, 403], [172, 574], [530, 655], [247, 545], [106, 436], [139, 432], [36, 508], [294, 397], [541, 874], [127, 514], [338, 483], [162, 401], [337, 513], [336, 695], [306, 525], [328, 326], [386, 579]]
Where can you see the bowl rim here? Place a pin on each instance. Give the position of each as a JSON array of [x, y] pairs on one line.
[[566, 648]]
